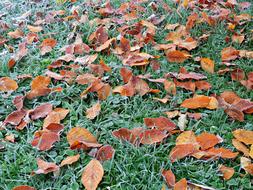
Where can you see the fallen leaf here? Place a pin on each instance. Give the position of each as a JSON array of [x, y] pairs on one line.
[[81, 138], [181, 151], [227, 172], [177, 56], [41, 111], [152, 136], [92, 175], [70, 160], [34, 28], [161, 123], [104, 153], [10, 138], [23, 187], [94, 111], [240, 147], [7, 84], [200, 102], [124, 134], [18, 102], [207, 65], [181, 185], [251, 151], [16, 34], [182, 121], [222, 152], [169, 177], [44, 140], [45, 167], [229, 53], [15, 117], [207, 140], [244, 136]]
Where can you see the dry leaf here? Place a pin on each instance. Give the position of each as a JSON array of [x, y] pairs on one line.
[[92, 175], [161, 123], [177, 56], [169, 177], [207, 65], [207, 140], [94, 111], [244, 136], [104, 153], [181, 151], [152, 136], [41, 111], [23, 187], [200, 102], [240, 147], [46, 167], [227, 172], [181, 185], [70, 160], [7, 84]]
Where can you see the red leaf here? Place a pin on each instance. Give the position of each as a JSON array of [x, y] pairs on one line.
[[152, 136], [161, 123], [104, 153]]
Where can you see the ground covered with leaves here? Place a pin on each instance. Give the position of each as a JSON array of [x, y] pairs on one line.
[[126, 94]]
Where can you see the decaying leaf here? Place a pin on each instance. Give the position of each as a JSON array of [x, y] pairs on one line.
[[104, 153], [200, 102], [70, 160], [93, 112], [169, 177], [161, 123], [46, 167], [227, 172], [7, 84], [23, 187], [181, 185], [92, 175]]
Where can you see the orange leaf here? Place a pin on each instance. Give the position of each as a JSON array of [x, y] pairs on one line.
[[181, 185], [237, 74], [152, 136], [55, 116], [207, 140], [200, 102], [222, 152], [23, 187], [227, 172], [92, 175], [94, 111], [81, 138], [104, 153], [240, 147], [234, 113], [181, 151], [126, 74], [7, 84], [207, 65], [169, 177], [45, 167], [244, 136], [177, 56], [70, 160], [229, 53], [230, 97], [187, 137]]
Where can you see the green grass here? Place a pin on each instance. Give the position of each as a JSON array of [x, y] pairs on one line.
[[132, 167]]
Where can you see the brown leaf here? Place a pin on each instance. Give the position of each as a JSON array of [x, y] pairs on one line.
[[45, 167], [81, 138], [181, 151], [104, 153], [187, 137], [105, 45], [70, 160], [237, 74], [47, 45], [125, 134], [152, 136], [207, 140], [244, 136], [7, 84], [227, 172], [15, 117], [177, 56], [16, 34], [18, 102], [229, 53], [23, 187], [55, 116], [94, 111], [207, 65], [181, 185], [54, 75], [169, 177], [230, 97], [161, 123], [44, 140], [92, 175], [126, 74], [41, 111], [39, 87], [234, 113]]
